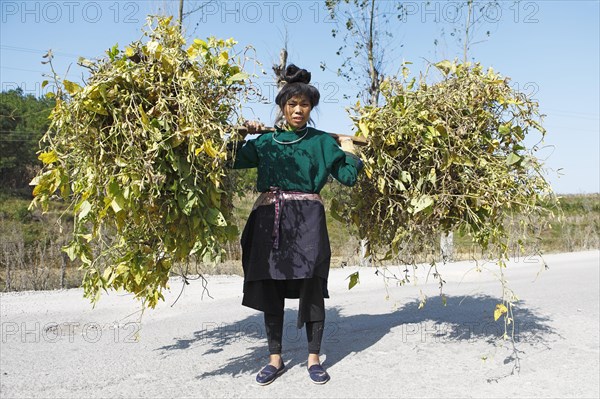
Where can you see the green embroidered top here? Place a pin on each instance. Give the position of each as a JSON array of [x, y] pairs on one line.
[[302, 166]]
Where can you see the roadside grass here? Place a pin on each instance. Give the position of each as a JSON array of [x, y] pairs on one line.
[[31, 242]]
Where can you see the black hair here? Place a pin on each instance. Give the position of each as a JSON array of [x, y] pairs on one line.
[[296, 84]]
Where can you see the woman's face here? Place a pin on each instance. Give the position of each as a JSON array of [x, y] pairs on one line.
[[297, 111]]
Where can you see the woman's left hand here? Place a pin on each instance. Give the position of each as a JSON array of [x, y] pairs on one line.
[[347, 144]]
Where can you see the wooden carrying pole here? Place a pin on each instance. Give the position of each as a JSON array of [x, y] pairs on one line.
[[267, 129]]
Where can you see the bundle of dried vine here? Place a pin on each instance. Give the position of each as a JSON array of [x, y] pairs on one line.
[[139, 152], [447, 156]]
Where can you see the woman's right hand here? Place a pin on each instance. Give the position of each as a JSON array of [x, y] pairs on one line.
[[253, 126]]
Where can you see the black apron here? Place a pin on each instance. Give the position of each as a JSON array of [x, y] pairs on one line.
[[288, 261]]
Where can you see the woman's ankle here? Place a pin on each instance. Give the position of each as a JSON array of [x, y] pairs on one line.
[[313, 358], [275, 359]]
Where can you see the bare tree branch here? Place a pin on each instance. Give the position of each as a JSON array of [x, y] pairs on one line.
[[198, 8]]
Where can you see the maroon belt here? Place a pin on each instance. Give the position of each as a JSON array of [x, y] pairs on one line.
[[277, 196]]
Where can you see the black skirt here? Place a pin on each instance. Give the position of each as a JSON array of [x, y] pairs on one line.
[[297, 268]]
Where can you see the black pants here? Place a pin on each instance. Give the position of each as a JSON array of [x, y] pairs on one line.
[[274, 328]]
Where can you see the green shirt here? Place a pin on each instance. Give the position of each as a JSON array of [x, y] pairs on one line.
[[303, 166]]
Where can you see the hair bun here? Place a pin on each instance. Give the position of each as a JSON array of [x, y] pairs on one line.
[[294, 74]]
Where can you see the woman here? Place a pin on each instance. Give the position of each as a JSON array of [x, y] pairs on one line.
[[285, 245]]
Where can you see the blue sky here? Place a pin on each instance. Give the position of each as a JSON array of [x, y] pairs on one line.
[[550, 49]]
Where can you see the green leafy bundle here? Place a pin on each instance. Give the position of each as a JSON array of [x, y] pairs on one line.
[[447, 156], [140, 154]]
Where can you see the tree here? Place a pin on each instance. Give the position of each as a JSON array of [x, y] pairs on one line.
[[363, 21], [23, 122]]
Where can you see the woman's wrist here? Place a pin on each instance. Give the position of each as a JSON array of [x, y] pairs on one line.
[[347, 145], [254, 126]]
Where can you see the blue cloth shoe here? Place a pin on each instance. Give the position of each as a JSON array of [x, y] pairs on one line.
[[268, 374], [317, 374]]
